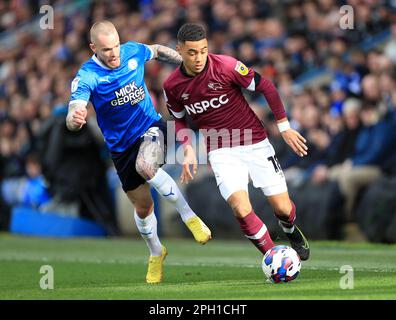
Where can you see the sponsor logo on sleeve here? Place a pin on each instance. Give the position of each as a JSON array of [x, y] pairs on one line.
[[241, 68], [74, 84]]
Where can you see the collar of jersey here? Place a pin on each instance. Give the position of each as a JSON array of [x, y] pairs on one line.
[[100, 63]]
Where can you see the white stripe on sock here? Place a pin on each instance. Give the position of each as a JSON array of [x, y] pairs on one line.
[[259, 234], [286, 229]]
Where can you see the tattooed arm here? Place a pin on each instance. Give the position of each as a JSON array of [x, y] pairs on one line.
[[76, 115], [165, 54]]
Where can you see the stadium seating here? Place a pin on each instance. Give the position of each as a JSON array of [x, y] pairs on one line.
[[27, 221]]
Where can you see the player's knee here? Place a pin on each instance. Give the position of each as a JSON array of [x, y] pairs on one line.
[[241, 210], [240, 204], [143, 210], [145, 169]]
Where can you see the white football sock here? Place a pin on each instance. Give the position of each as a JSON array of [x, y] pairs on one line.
[[148, 230], [285, 229], [167, 187]]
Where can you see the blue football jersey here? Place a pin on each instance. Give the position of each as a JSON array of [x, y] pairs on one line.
[[123, 106]]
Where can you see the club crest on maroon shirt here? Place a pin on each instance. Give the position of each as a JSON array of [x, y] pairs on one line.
[[214, 86]]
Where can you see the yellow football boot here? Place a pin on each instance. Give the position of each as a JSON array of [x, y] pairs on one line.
[[155, 267], [199, 230]]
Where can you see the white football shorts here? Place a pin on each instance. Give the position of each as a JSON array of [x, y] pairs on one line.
[[232, 168]]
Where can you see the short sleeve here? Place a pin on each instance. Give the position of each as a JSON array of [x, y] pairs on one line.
[[238, 72], [138, 51], [80, 89], [145, 51]]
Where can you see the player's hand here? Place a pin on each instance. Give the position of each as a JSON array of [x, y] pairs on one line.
[[189, 159], [78, 117], [296, 141]]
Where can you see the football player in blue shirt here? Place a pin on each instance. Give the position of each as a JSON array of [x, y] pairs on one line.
[[113, 81]]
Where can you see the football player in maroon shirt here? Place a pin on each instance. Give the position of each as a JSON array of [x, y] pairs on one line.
[[207, 87]]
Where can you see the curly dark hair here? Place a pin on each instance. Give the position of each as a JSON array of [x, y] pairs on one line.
[[191, 32]]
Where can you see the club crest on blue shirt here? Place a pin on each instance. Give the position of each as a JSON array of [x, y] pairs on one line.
[[132, 64]]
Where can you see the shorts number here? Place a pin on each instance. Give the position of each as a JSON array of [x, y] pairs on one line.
[[275, 163]]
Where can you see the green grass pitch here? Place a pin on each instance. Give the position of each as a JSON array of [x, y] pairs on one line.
[[220, 270]]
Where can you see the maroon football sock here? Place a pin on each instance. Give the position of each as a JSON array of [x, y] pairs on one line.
[[256, 231], [289, 221]]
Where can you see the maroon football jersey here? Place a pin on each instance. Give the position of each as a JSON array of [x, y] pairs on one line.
[[215, 102]]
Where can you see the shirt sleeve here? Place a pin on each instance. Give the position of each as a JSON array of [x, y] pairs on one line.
[[139, 51], [239, 74], [145, 51], [80, 89], [245, 77], [178, 112], [175, 108]]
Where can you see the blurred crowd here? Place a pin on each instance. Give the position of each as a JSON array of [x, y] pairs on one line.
[[348, 117]]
